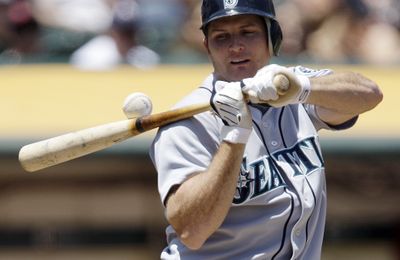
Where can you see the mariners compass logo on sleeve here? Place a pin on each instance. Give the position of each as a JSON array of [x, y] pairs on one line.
[[229, 4]]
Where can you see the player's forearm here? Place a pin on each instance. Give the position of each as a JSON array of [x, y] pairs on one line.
[[200, 204], [341, 96]]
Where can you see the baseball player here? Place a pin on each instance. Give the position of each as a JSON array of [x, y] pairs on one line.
[[247, 180]]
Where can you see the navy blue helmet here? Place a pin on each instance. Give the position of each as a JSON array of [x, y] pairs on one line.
[[214, 9]]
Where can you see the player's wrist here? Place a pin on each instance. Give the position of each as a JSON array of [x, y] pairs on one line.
[[235, 134]]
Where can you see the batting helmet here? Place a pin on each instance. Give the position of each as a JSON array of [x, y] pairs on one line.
[[215, 9]]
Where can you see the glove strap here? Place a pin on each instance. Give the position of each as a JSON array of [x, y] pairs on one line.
[[234, 134], [305, 88]]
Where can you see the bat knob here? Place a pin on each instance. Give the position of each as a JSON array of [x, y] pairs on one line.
[[282, 84]]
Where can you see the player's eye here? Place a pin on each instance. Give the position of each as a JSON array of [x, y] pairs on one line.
[[221, 36], [249, 33]]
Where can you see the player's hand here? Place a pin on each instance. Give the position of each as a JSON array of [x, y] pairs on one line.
[[261, 88], [228, 102]]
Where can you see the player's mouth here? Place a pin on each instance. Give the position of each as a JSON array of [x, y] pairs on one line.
[[240, 61]]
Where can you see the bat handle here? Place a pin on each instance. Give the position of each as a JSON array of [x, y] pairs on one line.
[[280, 81]]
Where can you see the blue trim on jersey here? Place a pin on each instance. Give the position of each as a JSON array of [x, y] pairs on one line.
[[346, 125], [286, 224], [262, 108], [315, 203], [280, 127]]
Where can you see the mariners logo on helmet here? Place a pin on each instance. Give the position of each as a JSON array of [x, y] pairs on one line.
[[229, 4]]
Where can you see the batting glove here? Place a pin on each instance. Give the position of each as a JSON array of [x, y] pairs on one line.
[[261, 88], [228, 102]]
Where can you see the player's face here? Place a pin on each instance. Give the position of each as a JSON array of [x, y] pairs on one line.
[[237, 46]]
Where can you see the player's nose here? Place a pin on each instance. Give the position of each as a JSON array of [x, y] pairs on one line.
[[236, 44]]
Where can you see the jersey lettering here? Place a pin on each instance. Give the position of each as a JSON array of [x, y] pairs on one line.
[[304, 157], [266, 176], [263, 175]]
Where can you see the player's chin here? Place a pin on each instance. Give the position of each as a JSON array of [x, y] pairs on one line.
[[241, 72]]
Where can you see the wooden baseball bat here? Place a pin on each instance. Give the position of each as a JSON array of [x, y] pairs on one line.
[[59, 149]]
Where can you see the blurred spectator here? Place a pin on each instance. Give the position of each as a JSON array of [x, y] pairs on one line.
[[19, 31], [305, 17], [189, 46], [387, 11], [190, 29], [335, 31], [88, 16], [341, 30], [161, 26], [354, 34], [119, 45]]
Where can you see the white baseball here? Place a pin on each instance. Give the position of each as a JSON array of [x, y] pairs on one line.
[[137, 104]]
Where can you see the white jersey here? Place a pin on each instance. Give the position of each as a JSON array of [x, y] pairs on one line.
[[278, 211]]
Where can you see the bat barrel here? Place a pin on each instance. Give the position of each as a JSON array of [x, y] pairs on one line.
[[56, 150]]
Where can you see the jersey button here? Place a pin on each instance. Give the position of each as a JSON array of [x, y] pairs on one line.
[[274, 143], [298, 232]]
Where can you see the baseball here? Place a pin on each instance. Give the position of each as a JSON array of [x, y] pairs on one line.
[[137, 104]]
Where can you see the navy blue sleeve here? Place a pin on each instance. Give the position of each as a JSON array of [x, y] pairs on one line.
[[346, 125]]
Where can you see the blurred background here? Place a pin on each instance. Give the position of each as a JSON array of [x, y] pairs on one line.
[[68, 64]]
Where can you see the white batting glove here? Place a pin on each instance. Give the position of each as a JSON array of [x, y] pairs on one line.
[[261, 88], [229, 104]]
